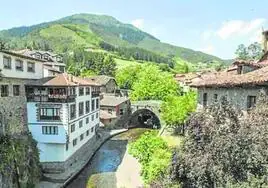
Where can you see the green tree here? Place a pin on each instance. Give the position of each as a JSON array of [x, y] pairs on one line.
[[176, 109], [252, 52], [153, 84], [223, 149], [127, 76]]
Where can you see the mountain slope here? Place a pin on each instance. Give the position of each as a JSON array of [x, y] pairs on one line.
[[88, 31]]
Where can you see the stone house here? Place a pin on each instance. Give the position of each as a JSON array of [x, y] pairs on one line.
[[108, 84], [114, 110]]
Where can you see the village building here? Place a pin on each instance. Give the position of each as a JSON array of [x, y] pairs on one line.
[[16, 70], [242, 84], [108, 84], [63, 115], [114, 110], [53, 63]]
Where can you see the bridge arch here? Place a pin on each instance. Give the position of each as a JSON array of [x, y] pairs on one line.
[[145, 114]]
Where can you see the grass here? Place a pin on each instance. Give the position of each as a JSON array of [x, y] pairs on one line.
[[173, 140], [124, 63]]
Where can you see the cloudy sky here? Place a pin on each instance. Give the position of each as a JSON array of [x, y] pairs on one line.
[[215, 27]]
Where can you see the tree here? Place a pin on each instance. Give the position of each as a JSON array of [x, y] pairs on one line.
[[224, 149], [153, 84], [176, 109], [127, 76], [252, 52]]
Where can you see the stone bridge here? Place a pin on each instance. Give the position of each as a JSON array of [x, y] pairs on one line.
[[146, 114]]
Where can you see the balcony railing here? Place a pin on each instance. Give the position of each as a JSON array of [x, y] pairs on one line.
[[50, 98]]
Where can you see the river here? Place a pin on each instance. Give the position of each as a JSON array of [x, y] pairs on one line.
[[112, 166]]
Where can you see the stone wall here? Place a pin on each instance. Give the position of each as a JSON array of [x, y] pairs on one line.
[[13, 108], [236, 96]]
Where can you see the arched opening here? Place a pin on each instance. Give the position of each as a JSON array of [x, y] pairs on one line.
[[144, 118]]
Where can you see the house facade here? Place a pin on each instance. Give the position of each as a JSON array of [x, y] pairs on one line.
[[63, 115], [108, 84], [114, 110], [16, 70]]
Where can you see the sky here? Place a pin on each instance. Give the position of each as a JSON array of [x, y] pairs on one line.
[[210, 26]]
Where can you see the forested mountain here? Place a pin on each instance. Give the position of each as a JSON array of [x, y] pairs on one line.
[[98, 32]]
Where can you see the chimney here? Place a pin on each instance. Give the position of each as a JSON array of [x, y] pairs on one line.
[[265, 40]]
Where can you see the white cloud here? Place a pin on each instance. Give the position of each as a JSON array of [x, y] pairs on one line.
[[239, 27], [207, 49], [256, 37], [139, 23]]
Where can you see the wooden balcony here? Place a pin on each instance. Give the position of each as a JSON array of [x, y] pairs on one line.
[[50, 98]]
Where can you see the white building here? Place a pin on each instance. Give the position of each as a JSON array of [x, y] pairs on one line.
[[63, 114]]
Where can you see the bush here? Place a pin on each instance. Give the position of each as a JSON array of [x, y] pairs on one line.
[[153, 154]]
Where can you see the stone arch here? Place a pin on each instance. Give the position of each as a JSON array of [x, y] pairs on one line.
[[144, 117]]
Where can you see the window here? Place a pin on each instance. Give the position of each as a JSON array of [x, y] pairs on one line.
[[19, 65], [81, 91], [49, 113], [110, 111], [87, 107], [215, 97], [4, 90], [7, 62], [30, 67], [67, 146], [81, 108], [72, 111], [87, 132], [61, 68], [97, 115], [93, 105], [80, 124], [72, 91], [74, 142], [72, 128], [205, 99], [87, 120], [92, 117], [92, 129], [87, 91], [121, 112], [97, 103], [81, 137], [50, 130], [251, 101], [16, 90]]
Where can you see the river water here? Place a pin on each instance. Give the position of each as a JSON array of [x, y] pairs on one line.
[[112, 166]]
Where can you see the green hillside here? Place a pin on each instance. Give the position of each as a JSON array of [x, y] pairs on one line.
[[92, 31]]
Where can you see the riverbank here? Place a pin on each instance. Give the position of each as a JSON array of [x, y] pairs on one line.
[[62, 179], [112, 166]]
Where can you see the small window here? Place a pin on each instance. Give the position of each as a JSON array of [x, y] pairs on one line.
[[16, 90], [97, 103], [81, 91], [87, 132], [215, 97], [110, 111], [87, 120], [92, 117], [97, 115], [87, 91], [73, 111], [80, 124], [72, 128], [50, 130], [251, 101], [92, 105], [19, 65], [121, 112], [205, 99], [81, 108], [4, 91], [7, 62], [87, 107], [92, 129], [30, 67], [74, 142], [81, 137], [67, 146]]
